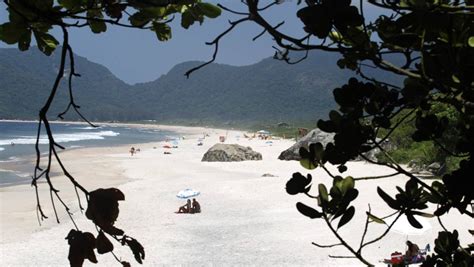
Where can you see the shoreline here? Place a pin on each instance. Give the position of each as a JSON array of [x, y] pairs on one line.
[[75, 160], [12, 167], [128, 124]]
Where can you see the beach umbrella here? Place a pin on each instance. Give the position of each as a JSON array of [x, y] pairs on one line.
[[403, 227], [187, 193]]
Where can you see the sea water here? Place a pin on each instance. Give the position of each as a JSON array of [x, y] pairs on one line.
[[17, 143]]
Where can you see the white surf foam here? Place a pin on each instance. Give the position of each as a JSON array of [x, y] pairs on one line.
[[88, 128], [60, 138]]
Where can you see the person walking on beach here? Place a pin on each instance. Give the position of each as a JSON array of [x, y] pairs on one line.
[[132, 151]]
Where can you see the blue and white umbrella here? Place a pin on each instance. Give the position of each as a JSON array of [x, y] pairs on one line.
[[187, 193]]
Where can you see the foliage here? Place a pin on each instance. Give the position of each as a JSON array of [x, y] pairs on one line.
[[406, 150], [433, 39], [222, 95]]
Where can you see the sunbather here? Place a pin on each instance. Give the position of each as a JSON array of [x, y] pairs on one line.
[[412, 252], [196, 207], [186, 208]]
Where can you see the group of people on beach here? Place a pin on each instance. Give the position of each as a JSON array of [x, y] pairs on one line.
[[190, 207], [412, 255]]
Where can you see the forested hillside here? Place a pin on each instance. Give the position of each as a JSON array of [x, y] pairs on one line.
[[269, 91]]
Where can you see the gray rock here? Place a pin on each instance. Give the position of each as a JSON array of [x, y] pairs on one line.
[[433, 167], [230, 152], [316, 136], [313, 136], [436, 168]]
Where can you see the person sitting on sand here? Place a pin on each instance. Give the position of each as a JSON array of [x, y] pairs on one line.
[[412, 251], [196, 207], [186, 208]]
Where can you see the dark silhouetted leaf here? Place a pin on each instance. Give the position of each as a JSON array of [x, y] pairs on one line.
[[103, 243], [162, 30], [351, 195], [81, 246], [137, 249], [308, 211], [388, 199], [103, 209], [342, 168], [46, 42], [209, 10], [346, 217], [442, 210], [298, 184], [95, 21], [422, 214], [413, 221]]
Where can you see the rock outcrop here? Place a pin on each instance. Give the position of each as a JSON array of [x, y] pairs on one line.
[[316, 136], [313, 136], [230, 152]]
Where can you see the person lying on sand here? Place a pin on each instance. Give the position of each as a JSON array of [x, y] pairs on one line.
[[186, 208], [196, 207]]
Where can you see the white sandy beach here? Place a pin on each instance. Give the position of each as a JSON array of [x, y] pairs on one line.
[[246, 219]]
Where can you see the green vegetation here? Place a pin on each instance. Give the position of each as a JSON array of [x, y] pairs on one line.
[[404, 149], [290, 131], [219, 95]]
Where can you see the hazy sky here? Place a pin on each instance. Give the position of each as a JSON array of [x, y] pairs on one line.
[[137, 56]]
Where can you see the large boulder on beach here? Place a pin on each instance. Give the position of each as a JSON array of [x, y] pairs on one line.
[[324, 138], [230, 152], [313, 136]]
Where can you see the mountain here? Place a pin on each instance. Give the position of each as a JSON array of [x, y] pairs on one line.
[[26, 79], [269, 91]]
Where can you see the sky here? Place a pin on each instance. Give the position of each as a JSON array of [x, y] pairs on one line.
[[136, 56]]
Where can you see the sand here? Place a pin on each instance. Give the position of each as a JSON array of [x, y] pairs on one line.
[[246, 219]]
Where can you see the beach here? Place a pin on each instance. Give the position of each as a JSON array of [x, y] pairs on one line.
[[246, 219]]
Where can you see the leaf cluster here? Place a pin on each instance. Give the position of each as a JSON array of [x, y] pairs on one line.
[[434, 40], [29, 18], [103, 210], [334, 203]]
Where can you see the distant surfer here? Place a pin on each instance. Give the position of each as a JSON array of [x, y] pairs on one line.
[[12, 143]]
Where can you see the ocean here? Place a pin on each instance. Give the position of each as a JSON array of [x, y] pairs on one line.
[[17, 143]]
